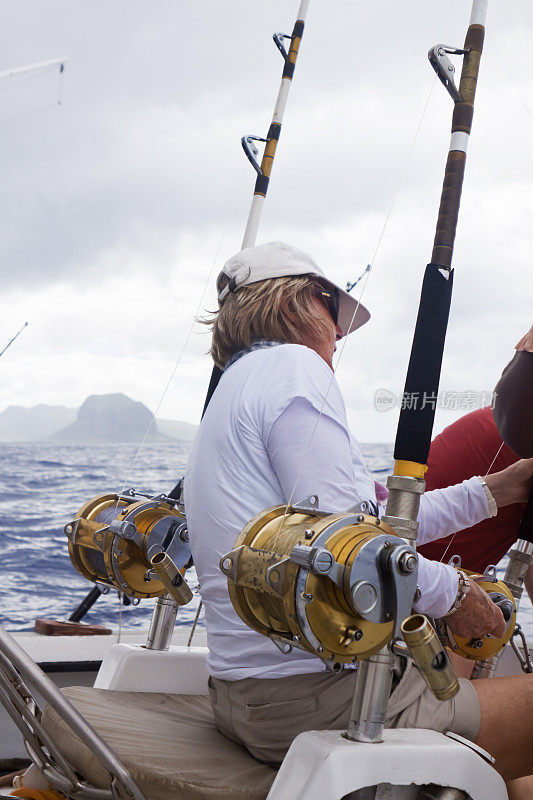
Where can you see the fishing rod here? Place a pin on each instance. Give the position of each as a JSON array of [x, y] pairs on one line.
[[415, 426], [264, 168], [13, 339]]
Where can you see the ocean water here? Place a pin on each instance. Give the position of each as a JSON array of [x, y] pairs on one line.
[[41, 488]]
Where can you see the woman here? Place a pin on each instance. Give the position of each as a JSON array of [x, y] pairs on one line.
[[276, 432]]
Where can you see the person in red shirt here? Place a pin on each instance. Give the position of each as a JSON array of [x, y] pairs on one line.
[[473, 445]]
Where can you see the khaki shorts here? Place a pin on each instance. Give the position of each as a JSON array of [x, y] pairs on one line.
[[266, 714]]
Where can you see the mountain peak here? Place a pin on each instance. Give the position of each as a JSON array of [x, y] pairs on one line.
[[100, 418], [111, 418]]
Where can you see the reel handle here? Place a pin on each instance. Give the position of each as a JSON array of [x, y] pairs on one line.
[[430, 656]]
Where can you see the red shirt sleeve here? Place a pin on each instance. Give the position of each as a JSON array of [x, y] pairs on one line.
[[466, 448]]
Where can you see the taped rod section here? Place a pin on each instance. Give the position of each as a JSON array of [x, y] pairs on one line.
[[459, 141], [415, 426]]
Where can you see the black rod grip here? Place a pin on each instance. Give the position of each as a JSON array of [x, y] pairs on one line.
[[419, 401]]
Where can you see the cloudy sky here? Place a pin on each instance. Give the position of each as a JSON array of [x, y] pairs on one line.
[[119, 206]]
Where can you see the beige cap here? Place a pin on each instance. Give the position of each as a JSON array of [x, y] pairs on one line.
[[279, 260]]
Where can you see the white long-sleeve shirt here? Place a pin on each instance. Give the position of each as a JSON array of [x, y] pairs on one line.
[[276, 432]]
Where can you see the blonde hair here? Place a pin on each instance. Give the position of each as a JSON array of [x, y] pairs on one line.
[[278, 309]]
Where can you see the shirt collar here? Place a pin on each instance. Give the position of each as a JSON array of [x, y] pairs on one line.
[[257, 345]]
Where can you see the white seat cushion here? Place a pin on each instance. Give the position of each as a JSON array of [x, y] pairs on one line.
[[169, 743]]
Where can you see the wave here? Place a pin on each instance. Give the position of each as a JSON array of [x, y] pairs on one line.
[[38, 579]]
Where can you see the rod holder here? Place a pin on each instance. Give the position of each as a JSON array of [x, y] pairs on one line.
[[162, 623], [371, 696]]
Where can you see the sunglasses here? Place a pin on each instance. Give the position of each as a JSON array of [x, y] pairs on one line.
[[329, 297]]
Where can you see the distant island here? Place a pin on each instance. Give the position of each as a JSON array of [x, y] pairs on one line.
[[100, 418]]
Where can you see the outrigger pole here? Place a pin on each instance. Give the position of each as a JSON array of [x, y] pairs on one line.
[[264, 168], [10, 73]]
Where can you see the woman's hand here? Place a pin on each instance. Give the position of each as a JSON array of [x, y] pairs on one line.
[[477, 616], [526, 342], [512, 485]]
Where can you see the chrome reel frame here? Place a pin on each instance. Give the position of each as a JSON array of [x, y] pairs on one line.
[[18, 672]]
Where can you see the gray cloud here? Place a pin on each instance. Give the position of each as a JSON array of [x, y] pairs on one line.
[[112, 206], [146, 144]]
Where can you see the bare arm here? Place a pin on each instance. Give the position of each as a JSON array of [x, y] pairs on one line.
[[529, 582], [511, 485]]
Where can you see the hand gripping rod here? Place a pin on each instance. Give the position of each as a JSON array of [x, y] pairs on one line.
[[264, 169]]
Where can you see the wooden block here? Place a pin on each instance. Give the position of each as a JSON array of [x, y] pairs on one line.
[[54, 627]]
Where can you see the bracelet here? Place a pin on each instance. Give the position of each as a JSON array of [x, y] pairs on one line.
[[491, 502], [462, 591]]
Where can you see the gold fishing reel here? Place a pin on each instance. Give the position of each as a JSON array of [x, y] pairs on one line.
[[486, 647], [132, 542], [335, 585]]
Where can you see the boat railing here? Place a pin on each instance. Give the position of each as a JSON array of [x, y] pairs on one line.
[[21, 680]]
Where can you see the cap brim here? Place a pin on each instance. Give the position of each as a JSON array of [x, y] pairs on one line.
[[352, 313]]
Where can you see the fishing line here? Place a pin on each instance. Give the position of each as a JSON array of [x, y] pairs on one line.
[[33, 77], [494, 459], [187, 338], [365, 277], [186, 342], [333, 374], [410, 153], [456, 532], [120, 596], [528, 111], [60, 87], [511, 77], [180, 355], [40, 110], [30, 113], [194, 322]]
